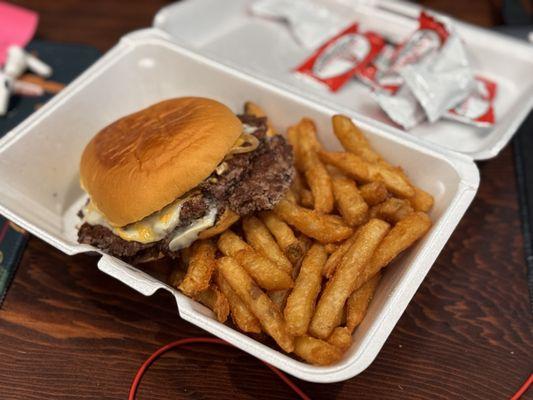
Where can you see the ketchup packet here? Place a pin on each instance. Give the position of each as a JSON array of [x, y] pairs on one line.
[[341, 57], [478, 108], [384, 72]]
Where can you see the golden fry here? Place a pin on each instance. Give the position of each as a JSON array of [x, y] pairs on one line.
[[267, 274], [359, 301], [374, 193], [307, 131], [341, 285], [297, 186], [316, 351], [341, 337], [251, 108], [241, 315], [401, 236], [225, 221], [335, 258], [257, 301], [315, 171], [284, 235], [259, 237], [324, 228], [331, 247], [365, 171], [352, 139], [301, 302], [215, 300], [293, 136], [349, 202], [421, 201], [392, 210], [200, 269], [306, 198]]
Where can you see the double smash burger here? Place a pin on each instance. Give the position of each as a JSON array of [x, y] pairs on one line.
[[159, 177]]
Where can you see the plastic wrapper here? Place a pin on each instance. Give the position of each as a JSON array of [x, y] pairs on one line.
[[310, 23]]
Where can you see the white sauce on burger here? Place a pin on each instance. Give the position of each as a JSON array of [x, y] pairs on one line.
[[156, 226]]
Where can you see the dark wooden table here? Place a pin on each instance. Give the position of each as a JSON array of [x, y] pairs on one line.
[[68, 331]]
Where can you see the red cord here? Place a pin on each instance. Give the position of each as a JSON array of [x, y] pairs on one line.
[[177, 343], [523, 389], [138, 376]]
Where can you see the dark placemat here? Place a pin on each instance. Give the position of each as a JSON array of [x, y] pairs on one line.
[[523, 150], [68, 61]]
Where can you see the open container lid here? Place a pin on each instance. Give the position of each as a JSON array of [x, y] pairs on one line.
[[227, 33]]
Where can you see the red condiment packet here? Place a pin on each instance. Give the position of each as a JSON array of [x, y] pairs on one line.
[[341, 57], [478, 108], [384, 71]]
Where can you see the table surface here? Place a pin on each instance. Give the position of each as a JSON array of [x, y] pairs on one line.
[[68, 331]]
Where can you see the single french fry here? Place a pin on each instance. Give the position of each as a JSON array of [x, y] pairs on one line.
[[392, 210], [284, 235], [259, 237], [352, 139], [315, 171], [364, 171], [358, 303], [293, 136], [215, 300], [335, 258], [251, 108], [301, 302], [316, 351], [374, 193], [324, 228], [350, 203], [241, 315], [267, 274], [341, 285], [421, 201], [297, 186], [307, 129], [401, 236], [200, 268], [306, 198], [331, 247], [341, 337], [225, 221], [257, 301]]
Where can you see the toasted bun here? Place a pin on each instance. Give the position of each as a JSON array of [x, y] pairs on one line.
[[144, 161]]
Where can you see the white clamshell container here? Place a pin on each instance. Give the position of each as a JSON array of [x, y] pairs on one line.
[[39, 180]]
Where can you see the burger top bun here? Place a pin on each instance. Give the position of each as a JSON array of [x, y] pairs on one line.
[[144, 161]]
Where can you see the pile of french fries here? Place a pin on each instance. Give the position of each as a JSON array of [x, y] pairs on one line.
[[305, 273]]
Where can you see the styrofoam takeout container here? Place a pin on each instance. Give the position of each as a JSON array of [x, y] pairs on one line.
[[40, 189]]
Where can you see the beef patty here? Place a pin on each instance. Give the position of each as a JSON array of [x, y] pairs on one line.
[[251, 182]]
